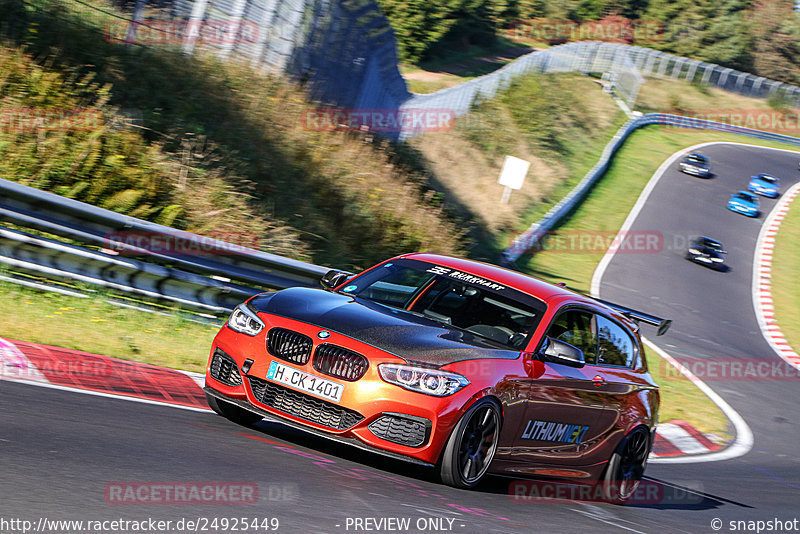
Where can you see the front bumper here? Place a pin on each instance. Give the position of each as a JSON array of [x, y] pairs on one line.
[[695, 171], [769, 193], [747, 212], [371, 413], [705, 260], [327, 435]]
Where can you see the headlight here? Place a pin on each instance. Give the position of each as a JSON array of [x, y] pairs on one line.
[[245, 321], [718, 260], [427, 381]]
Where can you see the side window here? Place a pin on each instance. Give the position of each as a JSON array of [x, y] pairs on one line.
[[615, 345], [578, 328]]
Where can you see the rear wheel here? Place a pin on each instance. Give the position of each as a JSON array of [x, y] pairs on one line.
[[231, 411], [626, 466], [471, 447]]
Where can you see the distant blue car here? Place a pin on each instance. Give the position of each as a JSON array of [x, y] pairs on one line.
[[744, 203], [764, 184]]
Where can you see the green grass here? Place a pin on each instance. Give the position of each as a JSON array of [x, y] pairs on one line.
[[97, 326], [680, 399], [445, 81], [786, 276], [560, 123]]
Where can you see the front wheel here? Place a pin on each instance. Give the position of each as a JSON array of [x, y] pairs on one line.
[[232, 412], [626, 466], [471, 446]]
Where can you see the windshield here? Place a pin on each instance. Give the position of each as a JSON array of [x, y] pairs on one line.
[[456, 299], [767, 178], [695, 159], [710, 244], [746, 197]]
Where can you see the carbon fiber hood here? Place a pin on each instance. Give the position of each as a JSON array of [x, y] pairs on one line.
[[401, 333]]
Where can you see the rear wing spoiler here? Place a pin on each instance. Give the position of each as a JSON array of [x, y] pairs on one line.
[[637, 316]]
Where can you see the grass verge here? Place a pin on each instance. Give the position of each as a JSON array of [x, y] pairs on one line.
[[559, 123], [786, 275], [680, 399], [94, 325]]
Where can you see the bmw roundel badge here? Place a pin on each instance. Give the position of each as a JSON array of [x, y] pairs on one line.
[[323, 334]]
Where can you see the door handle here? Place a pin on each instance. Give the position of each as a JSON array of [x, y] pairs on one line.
[[598, 380]]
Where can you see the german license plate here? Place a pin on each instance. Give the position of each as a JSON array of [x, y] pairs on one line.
[[305, 382]]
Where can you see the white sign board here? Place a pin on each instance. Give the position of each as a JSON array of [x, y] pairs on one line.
[[513, 173]]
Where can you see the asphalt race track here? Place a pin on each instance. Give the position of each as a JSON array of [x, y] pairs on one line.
[[69, 456], [714, 321]]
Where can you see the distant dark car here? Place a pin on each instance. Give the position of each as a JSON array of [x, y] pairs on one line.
[[765, 185], [706, 251], [696, 164], [744, 203]]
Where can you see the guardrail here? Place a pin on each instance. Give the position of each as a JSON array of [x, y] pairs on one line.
[[54, 260], [526, 240], [32, 208], [211, 279]]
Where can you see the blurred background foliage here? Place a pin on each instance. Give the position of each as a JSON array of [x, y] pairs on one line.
[[200, 145], [762, 37]]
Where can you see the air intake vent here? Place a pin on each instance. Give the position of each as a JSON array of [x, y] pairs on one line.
[[339, 362], [402, 430], [223, 368], [303, 406], [290, 346]]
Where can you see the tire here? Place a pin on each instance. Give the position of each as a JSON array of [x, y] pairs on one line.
[[471, 446], [232, 412], [626, 467]]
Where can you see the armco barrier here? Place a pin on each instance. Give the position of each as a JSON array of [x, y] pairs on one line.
[[32, 208], [526, 240], [51, 259]]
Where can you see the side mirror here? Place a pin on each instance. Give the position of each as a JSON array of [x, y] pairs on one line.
[[555, 351], [333, 278]]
